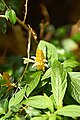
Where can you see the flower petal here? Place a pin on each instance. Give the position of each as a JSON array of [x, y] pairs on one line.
[[33, 57], [46, 65], [27, 60], [44, 60], [34, 65]]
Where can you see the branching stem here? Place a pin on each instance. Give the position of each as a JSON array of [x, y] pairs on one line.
[[30, 31], [28, 53]]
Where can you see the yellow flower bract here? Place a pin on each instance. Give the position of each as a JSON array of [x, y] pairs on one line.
[[40, 60]]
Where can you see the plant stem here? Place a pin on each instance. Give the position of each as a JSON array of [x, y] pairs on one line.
[[28, 29], [28, 54], [25, 11], [22, 24], [2, 16]]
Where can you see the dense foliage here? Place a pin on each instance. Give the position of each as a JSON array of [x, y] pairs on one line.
[[49, 87]]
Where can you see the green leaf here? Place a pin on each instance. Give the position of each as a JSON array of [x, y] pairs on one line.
[[52, 117], [42, 117], [11, 15], [38, 118], [43, 83], [70, 63], [2, 6], [70, 111], [5, 105], [52, 99], [17, 98], [16, 108], [7, 14], [47, 74], [38, 101], [32, 111], [2, 103], [58, 82], [19, 117], [69, 100], [49, 103], [2, 111], [49, 51], [34, 82], [7, 115], [74, 85]]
